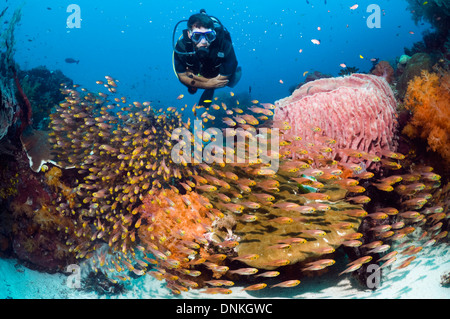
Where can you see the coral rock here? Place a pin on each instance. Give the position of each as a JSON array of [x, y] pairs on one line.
[[384, 69], [414, 67], [263, 237]]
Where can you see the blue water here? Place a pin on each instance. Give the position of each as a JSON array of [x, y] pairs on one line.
[[132, 42]]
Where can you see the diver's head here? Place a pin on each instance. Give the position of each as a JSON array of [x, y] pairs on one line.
[[201, 31]]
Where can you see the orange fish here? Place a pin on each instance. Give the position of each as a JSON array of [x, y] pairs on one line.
[[228, 244], [388, 262], [359, 199], [351, 269], [364, 175], [381, 228], [373, 244], [315, 232], [234, 208], [323, 262], [409, 214], [214, 291], [316, 196], [280, 246], [352, 243], [287, 284], [362, 260], [389, 210], [268, 274], [249, 218], [244, 271], [251, 205], [385, 187], [246, 257], [255, 287], [286, 206], [393, 155], [406, 263], [378, 215], [264, 197], [379, 249], [353, 236], [388, 256], [278, 263], [282, 220], [216, 257], [398, 225], [355, 212], [293, 240], [207, 188]]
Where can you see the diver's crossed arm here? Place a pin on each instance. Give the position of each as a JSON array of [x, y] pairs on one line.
[[189, 79]]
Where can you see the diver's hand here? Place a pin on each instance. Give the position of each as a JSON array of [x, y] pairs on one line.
[[190, 79], [217, 82]]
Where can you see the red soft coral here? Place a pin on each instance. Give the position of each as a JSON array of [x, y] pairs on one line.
[[384, 69]]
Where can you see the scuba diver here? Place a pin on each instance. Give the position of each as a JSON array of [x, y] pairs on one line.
[[204, 57]]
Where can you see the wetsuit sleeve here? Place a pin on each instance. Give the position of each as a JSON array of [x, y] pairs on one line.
[[179, 62], [229, 63]]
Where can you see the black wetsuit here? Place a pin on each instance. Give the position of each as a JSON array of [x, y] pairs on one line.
[[220, 59]]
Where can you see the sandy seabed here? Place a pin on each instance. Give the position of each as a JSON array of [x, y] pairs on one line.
[[420, 280]]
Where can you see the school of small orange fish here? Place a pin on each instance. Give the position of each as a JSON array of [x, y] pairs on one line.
[[136, 212]]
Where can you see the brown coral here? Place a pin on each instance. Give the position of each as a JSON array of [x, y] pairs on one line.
[[427, 97], [384, 69]]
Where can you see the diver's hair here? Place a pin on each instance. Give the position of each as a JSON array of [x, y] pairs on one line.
[[200, 20]]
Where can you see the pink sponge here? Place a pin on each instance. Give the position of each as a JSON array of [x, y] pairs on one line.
[[358, 111]]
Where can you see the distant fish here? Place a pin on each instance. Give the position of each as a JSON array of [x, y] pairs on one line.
[[70, 60], [324, 1]]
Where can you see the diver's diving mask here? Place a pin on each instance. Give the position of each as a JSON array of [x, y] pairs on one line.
[[209, 36]]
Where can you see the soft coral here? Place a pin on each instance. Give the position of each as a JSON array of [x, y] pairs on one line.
[[428, 97]]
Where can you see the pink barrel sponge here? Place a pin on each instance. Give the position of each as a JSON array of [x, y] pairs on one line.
[[358, 111]]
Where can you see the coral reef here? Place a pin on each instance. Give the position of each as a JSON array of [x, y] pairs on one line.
[[42, 87], [445, 280], [348, 70], [436, 12], [384, 69], [8, 103], [37, 233], [36, 145], [427, 97], [121, 198], [413, 68], [343, 108], [309, 78], [201, 225]]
